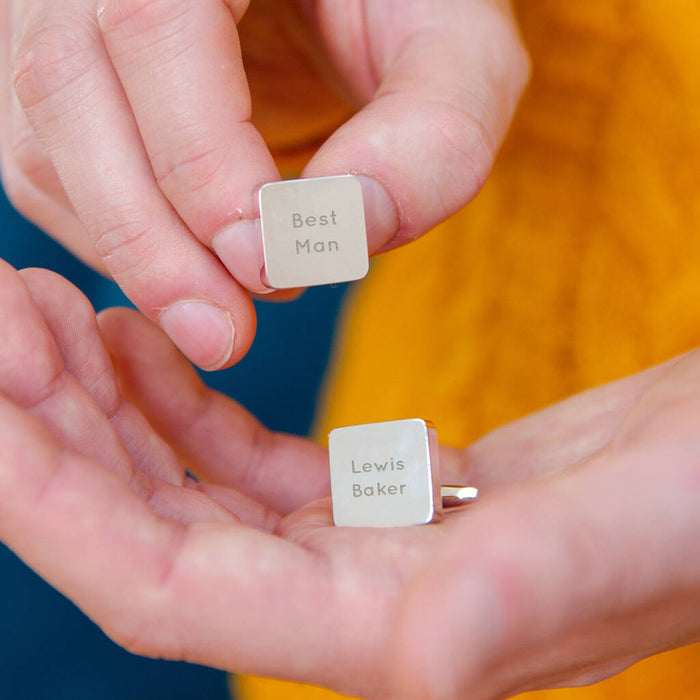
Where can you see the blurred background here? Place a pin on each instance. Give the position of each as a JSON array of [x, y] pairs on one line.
[[48, 648]]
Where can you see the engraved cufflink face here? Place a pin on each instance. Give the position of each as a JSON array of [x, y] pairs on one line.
[[385, 474], [313, 231]]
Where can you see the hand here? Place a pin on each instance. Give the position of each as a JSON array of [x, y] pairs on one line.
[[590, 564], [240, 569], [128, 135], [580, 558]]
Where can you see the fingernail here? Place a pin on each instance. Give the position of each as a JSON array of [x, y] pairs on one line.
[[202, 331], [239, 247], [381, 215]]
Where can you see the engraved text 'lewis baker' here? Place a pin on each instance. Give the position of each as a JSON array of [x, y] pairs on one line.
[[380, 489], [308, 246]]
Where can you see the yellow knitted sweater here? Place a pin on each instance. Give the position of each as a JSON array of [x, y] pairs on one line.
[[578, 263]]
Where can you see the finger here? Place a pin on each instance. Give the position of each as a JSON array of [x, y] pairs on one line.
[[29, 180], [307, 522], [220, 440], [18, 135], [554, 438], [32, 375], [70, 318], [247, 510], [187, 505], [215, 593], [441, 88], [74, 350], [31, 157], [36, 191], [36, 206], [74, 101], [207, 157], [71, 322]]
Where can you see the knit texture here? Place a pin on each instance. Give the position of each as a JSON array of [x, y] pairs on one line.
[[578, 263]]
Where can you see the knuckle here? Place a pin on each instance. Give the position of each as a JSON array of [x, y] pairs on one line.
[[466, 136], [49, 59], [51, 380], [84, 340], [31, 160], [31, 375], [126, 243], [193, 169], [31, 369], [76, 309]]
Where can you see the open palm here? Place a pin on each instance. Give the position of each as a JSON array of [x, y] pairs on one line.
[[240, 568], [581, 557]]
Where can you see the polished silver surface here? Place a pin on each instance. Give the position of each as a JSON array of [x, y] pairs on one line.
[[313, 231], [454, 496], [385, 474]]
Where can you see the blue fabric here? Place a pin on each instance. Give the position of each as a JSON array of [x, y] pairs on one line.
[[48, 649]]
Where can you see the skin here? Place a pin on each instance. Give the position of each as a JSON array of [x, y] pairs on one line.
[[126, 132], [580, 557]]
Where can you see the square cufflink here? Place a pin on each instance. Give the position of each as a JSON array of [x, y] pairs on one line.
[[388, 475], [313, 231]]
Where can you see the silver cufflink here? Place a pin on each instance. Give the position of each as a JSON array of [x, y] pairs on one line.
[[313, 231], [388, 475]]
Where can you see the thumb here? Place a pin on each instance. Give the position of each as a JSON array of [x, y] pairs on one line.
[[556, 437], [448, 78]]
